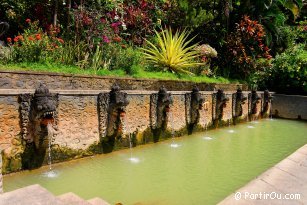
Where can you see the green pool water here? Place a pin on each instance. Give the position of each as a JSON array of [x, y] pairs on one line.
[[203, 169]]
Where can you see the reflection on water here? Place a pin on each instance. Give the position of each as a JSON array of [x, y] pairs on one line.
[[198, 172]]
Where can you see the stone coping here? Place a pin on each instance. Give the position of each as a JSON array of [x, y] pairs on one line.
[[105, 77], [285, 95], [30, 79], [13, 92]]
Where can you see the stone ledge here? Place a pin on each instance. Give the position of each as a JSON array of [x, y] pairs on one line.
[[14, 92], [29, 80]]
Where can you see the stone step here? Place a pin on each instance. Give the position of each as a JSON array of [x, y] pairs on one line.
[[97, 201], [72, 199], [30, 195]]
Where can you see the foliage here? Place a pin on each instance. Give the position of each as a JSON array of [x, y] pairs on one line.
[[60, 68], [189, 13], [271, 14], [302, 32], [206, 54], [34, 45], [245, 46], [289, 72], [173, 52]]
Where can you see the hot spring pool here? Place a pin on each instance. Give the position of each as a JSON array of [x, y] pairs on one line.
[[202, 168]]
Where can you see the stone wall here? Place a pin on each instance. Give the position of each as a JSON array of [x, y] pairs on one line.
[[1, 179], [28, 80], [290, 106], [79, 134]]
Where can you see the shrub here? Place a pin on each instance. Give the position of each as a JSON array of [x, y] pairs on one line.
[[34, 45], [173, 52], [245, 46], [206, 54], [289, 72]]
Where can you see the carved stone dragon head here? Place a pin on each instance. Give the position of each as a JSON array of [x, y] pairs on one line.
[[240, 100], [255, 99], [221, 100]]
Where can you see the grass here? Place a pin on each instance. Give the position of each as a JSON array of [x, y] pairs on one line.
[[138, 73]]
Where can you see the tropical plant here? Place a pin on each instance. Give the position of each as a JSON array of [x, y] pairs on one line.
[[272, 14], [173, 52], [245, 46], [34, 45], [206, 54], [289, 72]]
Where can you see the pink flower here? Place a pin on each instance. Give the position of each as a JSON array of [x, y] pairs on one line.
[[116, 24], [103, 20], [106, 39]]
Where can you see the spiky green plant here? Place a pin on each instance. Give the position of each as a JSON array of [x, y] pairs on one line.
[[172, 52]]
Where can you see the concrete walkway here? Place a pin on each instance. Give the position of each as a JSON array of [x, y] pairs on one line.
[[285, 183]]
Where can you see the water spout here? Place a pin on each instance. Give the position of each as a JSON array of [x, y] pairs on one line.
[[51, 132], [127, 131], [171, 119]]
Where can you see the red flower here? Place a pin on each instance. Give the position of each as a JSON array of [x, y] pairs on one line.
[[61, 41], [28, 20], [18, 38], [9, 40], [31, 38], [38, 36], [117, 39]]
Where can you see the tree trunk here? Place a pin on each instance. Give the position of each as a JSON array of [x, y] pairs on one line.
[[55, 15], [68, 14]]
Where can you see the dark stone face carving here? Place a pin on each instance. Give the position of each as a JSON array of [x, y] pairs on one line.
[[44, 104], [221, 100], [39, 124], [196, 105], [112, 108], [159, 107], [163, 106], [240, 100], [255, 99], [267, 99], [117, 105]]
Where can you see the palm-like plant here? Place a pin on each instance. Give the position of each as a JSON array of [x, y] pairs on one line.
[[173, 52]]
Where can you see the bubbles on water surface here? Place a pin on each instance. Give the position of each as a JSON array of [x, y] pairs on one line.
[[134, 160], [50, 174], [174, 145], [207, 138]]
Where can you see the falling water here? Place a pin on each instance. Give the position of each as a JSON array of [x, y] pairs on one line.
[[51, 132], [206, 129], [126, 130], [271, 111], [229, 121], [50, 135], [171, 119]]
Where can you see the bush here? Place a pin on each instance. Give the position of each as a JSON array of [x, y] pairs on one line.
[[245, 46], [34, 45], [289, 71]]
